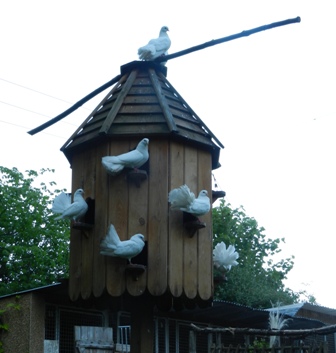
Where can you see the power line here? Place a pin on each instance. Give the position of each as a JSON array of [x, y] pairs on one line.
[[36, 91], [25, 127], [32, 111]]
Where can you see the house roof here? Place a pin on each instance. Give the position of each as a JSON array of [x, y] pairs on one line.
[[143, 103], [227, 314], [220, 313], [294, 309]]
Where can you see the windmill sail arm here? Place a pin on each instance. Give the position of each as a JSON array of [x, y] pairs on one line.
[[227, 39], [75, 106]]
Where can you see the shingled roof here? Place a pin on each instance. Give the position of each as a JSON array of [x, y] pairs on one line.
[[143, 103]]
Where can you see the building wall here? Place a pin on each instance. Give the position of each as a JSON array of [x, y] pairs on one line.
[[177, 263], [25, 324]]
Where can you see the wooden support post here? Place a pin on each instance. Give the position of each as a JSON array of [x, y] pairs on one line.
[[192, 341], [142, 326]]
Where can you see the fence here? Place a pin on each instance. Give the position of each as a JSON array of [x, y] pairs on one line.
[[123, 339], [219, 347]]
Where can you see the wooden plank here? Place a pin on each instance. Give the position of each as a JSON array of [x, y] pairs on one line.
[[190, 264], [140, 99], [51, 346], [176, 228], [117, 215], [141, 91], [139, 129], [158, 218], [163, 103], [140, 108], [139, 119], [87, 236], [138, 223], [205, 263], [92, 339], [143, 81], [176, 104], [101, 207], [75, 268], [142, 323], [118, 102]]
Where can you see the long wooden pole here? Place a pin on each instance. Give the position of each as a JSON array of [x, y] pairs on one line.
[[75, 106], [324, 330], [227, 39], [158, 60]]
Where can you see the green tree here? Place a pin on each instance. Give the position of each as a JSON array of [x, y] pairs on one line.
[[257, 281], [34, 248]]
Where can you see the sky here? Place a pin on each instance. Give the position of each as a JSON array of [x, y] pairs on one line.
[[269, 98]]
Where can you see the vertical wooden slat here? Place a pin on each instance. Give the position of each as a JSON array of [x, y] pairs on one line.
[[176, 229], [142, 323], [100, 228], [205, 264], [158, 218], [190, 243], [117, 215], [137, 223], [192, 342], [75, 271], [87, 235]]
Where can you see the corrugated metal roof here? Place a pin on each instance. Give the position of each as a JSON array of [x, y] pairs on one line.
[[294, 309], [220, 313], [227, 314]]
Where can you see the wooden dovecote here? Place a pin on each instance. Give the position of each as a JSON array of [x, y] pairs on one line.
[[182, 150]]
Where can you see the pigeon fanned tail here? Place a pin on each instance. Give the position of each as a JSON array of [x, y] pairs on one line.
[[62, 205], [184, 200], [111, 240], [181, 197], [111, 245], [225, 257], [61, 202]]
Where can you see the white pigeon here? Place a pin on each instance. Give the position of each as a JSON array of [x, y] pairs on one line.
[[224, 258], [184, 200], [132, 159], [156, 47], [111, 245], [62, 205]]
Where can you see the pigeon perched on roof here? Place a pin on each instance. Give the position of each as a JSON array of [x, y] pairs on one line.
[[156, 47], [224, 258], [184, 200], [132, 159], [62, 205], [111, 245]]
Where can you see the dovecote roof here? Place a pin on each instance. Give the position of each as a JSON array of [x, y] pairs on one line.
[[143, 103]]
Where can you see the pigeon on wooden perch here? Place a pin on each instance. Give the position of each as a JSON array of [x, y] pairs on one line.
[[156, 47], [184, 200], [224, 258], [62, 205], [111, 245], [133, 159]]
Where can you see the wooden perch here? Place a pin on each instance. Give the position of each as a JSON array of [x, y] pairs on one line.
[[268, 332]]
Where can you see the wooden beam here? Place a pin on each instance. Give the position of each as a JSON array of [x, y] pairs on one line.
[[268, 332], [142, 323], [227, 39]]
